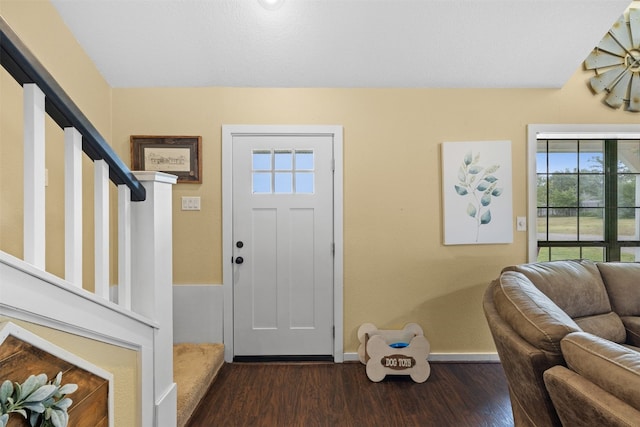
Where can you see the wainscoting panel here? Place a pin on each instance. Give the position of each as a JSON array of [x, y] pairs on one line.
[[198, 314]]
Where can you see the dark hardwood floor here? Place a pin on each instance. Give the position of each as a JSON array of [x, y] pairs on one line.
[[327, 394]]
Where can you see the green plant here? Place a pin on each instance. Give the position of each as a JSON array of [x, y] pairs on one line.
[[42, 403]]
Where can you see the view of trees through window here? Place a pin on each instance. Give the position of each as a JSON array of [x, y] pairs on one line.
[[588, 199]]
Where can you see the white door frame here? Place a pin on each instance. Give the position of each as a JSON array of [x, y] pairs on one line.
[[228, 131]]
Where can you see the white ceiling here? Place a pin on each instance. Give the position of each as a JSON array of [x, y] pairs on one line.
[[339, 43]]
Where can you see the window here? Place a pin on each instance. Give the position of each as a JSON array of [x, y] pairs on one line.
[[587, 199], [282, 172]]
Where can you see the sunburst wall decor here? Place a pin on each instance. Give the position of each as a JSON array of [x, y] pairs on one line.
[[616, 63]]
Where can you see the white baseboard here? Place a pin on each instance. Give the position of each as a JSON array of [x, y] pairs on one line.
[[445, 357], [464, 357], [198, 314], [351, 357]]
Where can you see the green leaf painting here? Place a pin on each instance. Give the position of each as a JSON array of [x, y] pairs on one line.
[[479, 184]]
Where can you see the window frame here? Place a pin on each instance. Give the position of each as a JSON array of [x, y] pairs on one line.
[[556, 131]]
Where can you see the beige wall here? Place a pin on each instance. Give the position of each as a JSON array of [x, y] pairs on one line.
[[396, 268]]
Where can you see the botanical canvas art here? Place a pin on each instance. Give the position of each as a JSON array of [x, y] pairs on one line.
[[476, 179]]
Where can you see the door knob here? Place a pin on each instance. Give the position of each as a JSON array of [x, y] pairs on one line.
[[239, 260]]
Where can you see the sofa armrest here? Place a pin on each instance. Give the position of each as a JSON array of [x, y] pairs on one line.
[[530, 313], [579, 402], [612, 367], [524, 365]]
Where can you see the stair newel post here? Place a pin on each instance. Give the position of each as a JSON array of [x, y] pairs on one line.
[[151, 285]]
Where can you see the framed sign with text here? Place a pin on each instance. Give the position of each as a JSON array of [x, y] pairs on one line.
[[177, 155]]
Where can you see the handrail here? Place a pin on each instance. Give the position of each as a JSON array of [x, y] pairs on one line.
[[23, 66]]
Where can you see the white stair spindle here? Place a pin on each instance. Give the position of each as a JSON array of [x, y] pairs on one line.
[[73, 206], [124, 246], [101, 195], [34, 176]]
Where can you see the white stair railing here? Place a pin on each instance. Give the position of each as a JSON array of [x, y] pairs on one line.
[[144, 238]]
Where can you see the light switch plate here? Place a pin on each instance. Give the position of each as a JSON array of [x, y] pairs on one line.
[[191, 203], [521, 223]]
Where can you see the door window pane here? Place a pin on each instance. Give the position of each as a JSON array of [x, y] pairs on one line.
[[304, 182], [304, 160], [283, 161], [261, 182], [262, 160], [283, 183]]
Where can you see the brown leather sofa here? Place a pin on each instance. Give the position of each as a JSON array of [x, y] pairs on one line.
[[537, 312]]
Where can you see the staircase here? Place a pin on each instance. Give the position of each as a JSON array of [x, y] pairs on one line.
[[195, 367], [138, 315]]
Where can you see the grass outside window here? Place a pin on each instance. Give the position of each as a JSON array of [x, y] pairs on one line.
[[588, 225]]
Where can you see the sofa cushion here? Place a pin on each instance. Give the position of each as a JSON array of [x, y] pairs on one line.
[[574, 285], [608, 326], [531, 313], [610, 366], [622, 281]]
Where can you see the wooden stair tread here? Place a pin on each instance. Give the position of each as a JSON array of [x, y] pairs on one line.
[[195, 366]]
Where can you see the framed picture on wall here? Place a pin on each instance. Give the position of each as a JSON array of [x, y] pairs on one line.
[[177, 155], [476, 189]]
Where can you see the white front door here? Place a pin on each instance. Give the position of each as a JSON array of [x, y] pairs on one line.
[[283, 245]]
